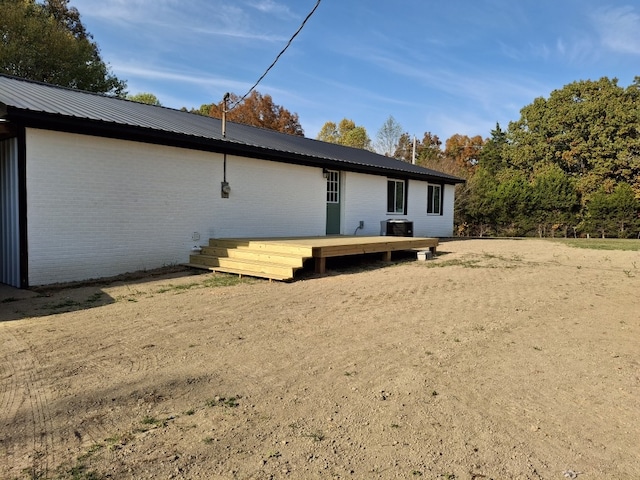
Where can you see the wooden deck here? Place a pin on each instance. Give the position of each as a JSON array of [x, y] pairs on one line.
[[279, 258]]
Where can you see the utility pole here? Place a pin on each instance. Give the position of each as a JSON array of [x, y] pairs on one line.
[[413, 154]]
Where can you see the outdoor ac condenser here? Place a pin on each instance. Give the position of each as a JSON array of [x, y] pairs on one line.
[[396, 228]]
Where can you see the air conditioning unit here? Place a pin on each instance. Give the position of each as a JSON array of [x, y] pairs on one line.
[[396, 228]]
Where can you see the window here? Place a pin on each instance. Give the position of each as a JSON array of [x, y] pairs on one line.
[[434, 199], [396, 196], [333, 187]]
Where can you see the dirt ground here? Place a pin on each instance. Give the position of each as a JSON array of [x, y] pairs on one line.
[[500, 359]]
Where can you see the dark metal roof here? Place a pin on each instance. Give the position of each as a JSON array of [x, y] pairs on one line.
[[47, 106]]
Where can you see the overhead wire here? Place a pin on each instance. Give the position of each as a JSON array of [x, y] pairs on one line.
[[277, 57]]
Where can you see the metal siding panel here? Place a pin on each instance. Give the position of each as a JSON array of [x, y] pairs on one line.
[[9, 213]]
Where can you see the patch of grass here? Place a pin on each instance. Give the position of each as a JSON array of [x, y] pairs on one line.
[[117, 441], [149, 423], [395, 425], [178, 288], [96, 447], [9, 300], [149, 420], [191, 411], [434, 393], [81, 472], [602, 243], [229, 402], [316, 436], [457, 262], [218, 280], [64, 304], [226, 280], [95, 298]]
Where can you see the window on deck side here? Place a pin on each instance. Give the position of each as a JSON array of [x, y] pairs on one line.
[[434, 199], [396, 196]]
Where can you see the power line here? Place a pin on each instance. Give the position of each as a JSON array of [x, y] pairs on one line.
[[278, 57]]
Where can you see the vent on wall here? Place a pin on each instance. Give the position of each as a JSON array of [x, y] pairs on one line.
[[396, 228]]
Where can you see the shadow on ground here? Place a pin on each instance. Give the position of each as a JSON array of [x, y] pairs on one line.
[[17, 304]]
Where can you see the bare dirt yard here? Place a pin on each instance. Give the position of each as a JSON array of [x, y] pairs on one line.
[[500, 359]]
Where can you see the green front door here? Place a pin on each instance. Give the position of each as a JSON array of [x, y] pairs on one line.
[[333, 203]]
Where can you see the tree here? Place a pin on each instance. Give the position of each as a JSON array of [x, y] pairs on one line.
[[257, 110], [345, 133], [404, 148], [615, 213], [476, 209], [464, 151], [590, 129], [388, 136], [428, 152], [491, 155], [555, 201], [148, 98], [47, 42]]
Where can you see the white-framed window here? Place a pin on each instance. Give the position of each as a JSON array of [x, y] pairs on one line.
[[396, 196], [333, 187], [434, 199]]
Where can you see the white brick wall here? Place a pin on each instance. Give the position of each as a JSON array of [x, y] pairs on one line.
[[99, 207], [365, 198], [426, 225], [271, 199]]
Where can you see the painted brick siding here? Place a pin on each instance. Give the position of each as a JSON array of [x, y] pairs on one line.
[[426, 225], [100, 207], [365, 198], [271, 199]]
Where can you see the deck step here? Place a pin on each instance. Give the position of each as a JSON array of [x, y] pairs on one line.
[[260, 268], [238, 271], [266, 245], [264, 258], [249, 254]]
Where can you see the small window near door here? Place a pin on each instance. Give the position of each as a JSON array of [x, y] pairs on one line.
[[396, 196], [434, 199], [333, 187]]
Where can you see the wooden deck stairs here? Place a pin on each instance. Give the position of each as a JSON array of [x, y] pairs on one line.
[[251, 257], [279, 258]]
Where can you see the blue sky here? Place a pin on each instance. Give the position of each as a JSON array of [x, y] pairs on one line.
[[447, 67]]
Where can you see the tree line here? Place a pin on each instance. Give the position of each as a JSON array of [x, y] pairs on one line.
[[569, 166]]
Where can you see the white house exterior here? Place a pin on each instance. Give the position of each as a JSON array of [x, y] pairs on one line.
[[89, 190]]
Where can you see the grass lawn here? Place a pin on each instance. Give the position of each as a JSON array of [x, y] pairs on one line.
[[602, 243]]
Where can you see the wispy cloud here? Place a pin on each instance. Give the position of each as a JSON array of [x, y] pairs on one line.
[[182, 19], [619, 28], [273, 7], [195, 78]]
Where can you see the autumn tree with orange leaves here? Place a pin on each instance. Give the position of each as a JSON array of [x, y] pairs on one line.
[[257, 110]]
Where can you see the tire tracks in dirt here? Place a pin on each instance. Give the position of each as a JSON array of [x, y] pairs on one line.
[[26, 414]]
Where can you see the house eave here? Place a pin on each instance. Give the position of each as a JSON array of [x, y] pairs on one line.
[[61, 123]]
